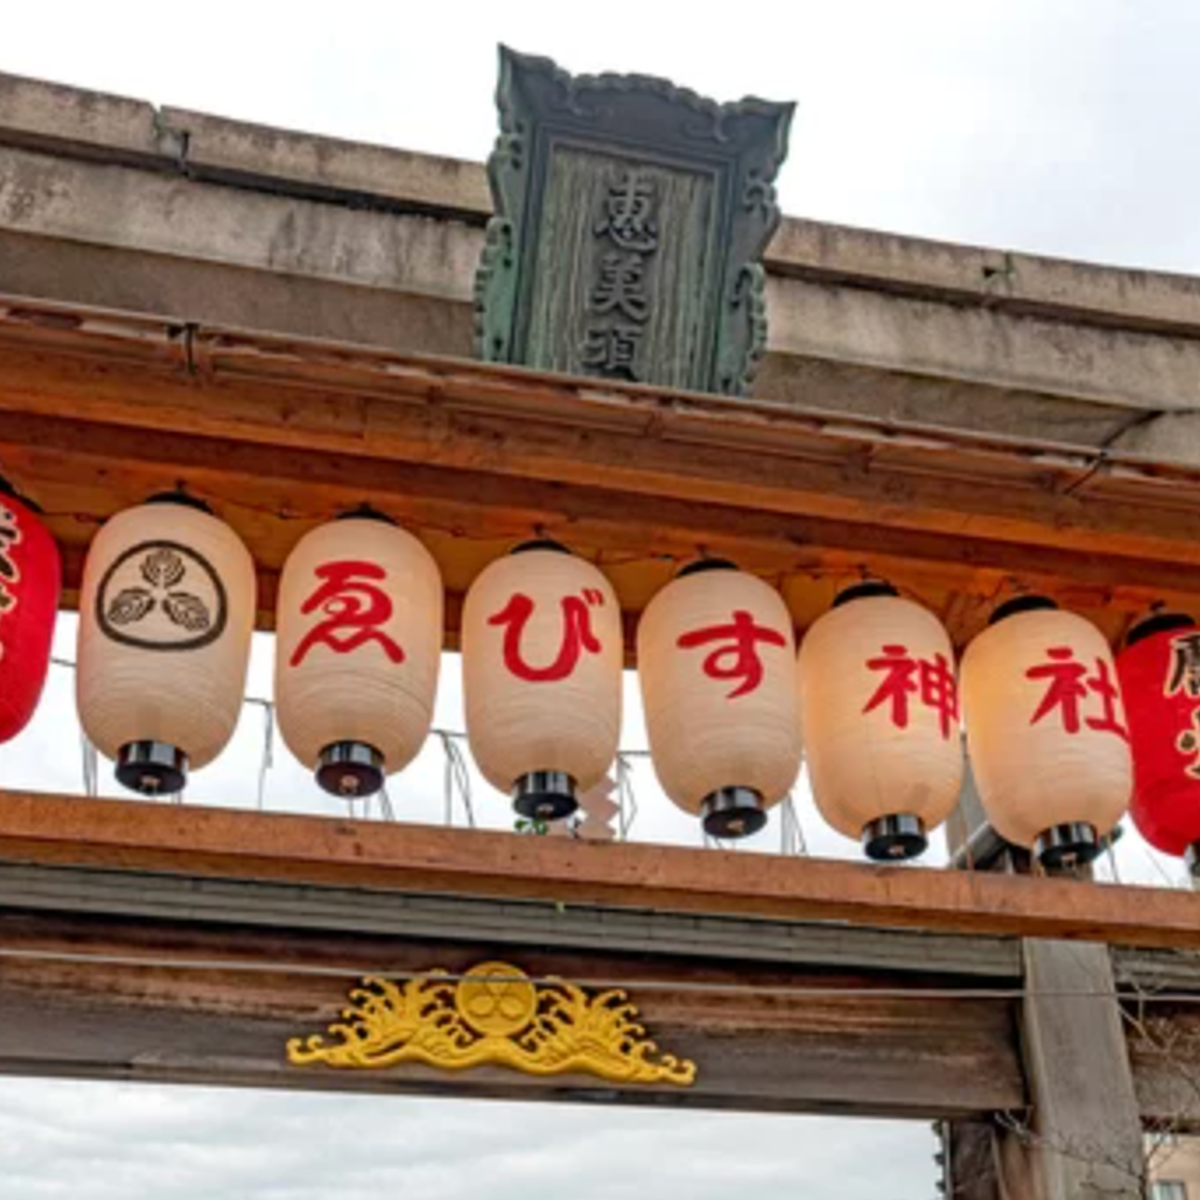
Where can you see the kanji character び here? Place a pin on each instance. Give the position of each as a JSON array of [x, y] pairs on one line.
[[577, 635]]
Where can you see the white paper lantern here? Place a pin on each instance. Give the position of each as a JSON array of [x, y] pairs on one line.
[[166, 610], [879, 704], [542, 654], [716, 660], [1046, 730], [359, 639]]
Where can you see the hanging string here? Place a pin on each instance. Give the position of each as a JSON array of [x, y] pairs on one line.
[[456, 777], [91, 766], [268, 751], [791, 834], [385, 804], [627, 808]]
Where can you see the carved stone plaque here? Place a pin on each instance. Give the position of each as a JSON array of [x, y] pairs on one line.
[[631, 216]]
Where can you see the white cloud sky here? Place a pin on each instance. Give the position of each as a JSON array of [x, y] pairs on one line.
[[1058, 126]]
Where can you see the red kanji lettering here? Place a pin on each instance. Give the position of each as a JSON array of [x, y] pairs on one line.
[[939, 691], [1103, 686], [930, 680], [1069, 684], [738, 659], [354, 607], [577, 635]]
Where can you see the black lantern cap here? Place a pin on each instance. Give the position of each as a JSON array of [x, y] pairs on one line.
[[8, 488], [350, 769], [179, 496], [733, 812], [1071, 844], [860, 591], [1157, 622], [706, 564], [544, 795], [364, 512], [1020, 604], [540, 544], [894, 837], [152, 768]]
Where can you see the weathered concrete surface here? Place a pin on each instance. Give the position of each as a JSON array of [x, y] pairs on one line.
[[108, 201]]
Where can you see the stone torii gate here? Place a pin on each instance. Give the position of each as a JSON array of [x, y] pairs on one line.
[[285, 322]]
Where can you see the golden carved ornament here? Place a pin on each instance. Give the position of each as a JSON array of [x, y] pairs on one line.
[[494, 1014]]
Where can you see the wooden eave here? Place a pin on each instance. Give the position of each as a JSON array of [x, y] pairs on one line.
[[98, 409]]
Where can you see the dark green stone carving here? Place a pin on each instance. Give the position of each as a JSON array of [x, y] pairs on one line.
[[631, 216]]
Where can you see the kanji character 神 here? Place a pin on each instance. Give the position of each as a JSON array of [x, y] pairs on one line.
[[738, 658], [355, 607], [934, 685]]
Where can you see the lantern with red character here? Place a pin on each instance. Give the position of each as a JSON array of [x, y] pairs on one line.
[[359, 639], [879, 701], [1046, 730], [716, 660], [1159, 671], [542, 651], [30, 579]]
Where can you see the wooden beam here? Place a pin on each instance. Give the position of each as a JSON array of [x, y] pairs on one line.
[[89, 891], [217, 1006], [411, 858]]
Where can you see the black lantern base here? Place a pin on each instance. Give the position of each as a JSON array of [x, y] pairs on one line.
[[896, 836], [152, 768], [350, 770], [733, 812], [1073, 844], [545, 795]]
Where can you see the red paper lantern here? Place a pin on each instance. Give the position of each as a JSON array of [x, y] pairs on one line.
[[30, 577], [1159, 672]]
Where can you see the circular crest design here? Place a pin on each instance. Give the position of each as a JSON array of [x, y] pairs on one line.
[[162, 595], [496, 999]]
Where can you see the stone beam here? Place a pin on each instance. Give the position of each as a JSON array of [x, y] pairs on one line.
[[112, 202]]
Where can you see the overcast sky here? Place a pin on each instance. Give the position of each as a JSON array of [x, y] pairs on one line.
[[1065, 127]]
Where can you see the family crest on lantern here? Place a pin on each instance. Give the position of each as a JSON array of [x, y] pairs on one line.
[[166, 579]]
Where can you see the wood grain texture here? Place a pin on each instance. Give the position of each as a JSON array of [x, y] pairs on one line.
[[411, 858], [886, 1055], [97, 409]]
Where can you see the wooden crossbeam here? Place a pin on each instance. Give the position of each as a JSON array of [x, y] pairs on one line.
[[412, 858], [173, 999], [97, 410]]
